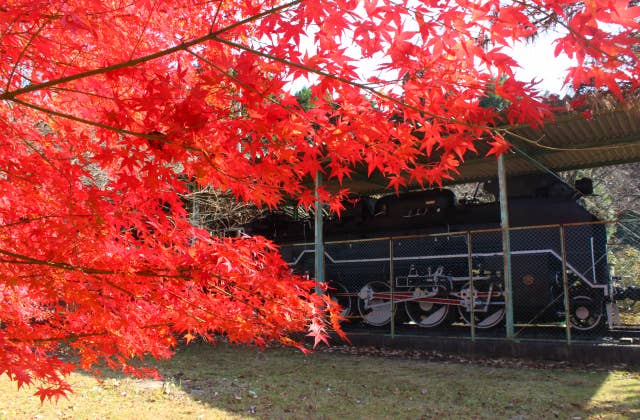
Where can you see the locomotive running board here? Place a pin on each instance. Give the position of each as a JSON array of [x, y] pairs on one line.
[[433, 257]]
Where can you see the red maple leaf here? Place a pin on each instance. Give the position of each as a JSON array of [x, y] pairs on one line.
[[112, 116], [498, 146]]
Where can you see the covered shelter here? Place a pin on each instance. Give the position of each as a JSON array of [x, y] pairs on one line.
[[569, 142]]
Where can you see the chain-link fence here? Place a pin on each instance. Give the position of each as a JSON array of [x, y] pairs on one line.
[[624, 259], [455, 284]]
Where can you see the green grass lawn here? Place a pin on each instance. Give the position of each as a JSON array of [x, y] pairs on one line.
[[230, 382]]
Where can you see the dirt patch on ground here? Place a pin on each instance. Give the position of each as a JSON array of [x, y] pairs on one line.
[[436, 356]]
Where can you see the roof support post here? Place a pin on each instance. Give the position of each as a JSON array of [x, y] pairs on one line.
[[318, 239], [506, 245]]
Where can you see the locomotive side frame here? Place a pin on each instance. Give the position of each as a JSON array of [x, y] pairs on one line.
[[429, 295]]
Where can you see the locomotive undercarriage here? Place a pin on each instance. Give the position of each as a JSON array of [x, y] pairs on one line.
[[435, 300]]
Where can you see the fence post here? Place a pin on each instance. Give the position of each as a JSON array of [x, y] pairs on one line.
[[472, 316], [392, 307], [565, 284], [506, 245], [318, 239]]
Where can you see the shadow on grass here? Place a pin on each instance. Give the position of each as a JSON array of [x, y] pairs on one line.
[[221, 381], [284, 383]]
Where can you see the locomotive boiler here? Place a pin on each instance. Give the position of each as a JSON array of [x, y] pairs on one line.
[[426, 259]]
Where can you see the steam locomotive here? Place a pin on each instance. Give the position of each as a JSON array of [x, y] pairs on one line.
[[427, 259]]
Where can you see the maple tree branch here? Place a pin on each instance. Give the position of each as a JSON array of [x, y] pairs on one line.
[[28, 260], [215, 16], [27, 179], [189, 303], [256, 91], [344, 80], [85, 93], [235, 79], [583, 38], [24, 259], [115, 286], [230, 76], [35, 219], [48, 161], [156, 137], [185, 301], [23, 52], [88, 122], [130, 63], [144, 29], [104, 126], [185, 47], [71, 337]]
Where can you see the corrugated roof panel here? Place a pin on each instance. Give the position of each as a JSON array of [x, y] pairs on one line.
[[609, 138]]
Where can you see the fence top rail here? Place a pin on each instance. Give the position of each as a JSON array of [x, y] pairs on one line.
[[455, 233], [345, 241]]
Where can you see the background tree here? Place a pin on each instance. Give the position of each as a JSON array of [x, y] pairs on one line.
[[219, 212], [106, 106], [617, 194]]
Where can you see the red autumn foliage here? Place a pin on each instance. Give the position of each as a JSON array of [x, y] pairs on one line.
[[106, 106]]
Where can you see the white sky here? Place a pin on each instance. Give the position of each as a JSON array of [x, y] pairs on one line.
[[536, 61]]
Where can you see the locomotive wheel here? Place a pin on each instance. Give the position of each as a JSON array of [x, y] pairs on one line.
[[483, 320], [427, 314], [585, 313], [339, 294], [375, 310]]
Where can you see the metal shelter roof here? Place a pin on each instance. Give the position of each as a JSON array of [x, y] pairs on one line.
[[569, 142]]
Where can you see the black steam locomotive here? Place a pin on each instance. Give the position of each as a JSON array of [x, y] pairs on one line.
[[425, 259]]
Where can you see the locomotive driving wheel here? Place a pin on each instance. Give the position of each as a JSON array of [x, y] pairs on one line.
[[488, 304], [585, 313], [374, 303], [424, 309], [339, 294]]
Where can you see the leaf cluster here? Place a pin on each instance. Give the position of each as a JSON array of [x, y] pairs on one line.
[[106, 107]]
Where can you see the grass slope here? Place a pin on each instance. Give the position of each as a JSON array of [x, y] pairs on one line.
[[230, 382]]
